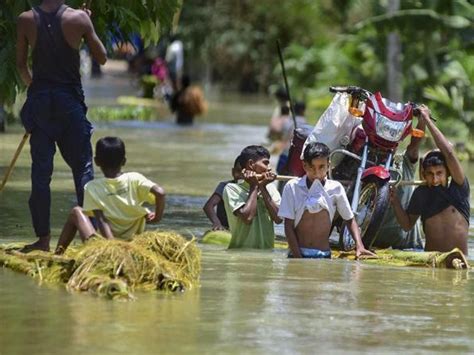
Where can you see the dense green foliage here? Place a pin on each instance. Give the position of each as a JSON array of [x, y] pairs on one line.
[[112, 19], [339, 42]]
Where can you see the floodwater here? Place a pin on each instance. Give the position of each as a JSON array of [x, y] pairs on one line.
[[252, 302]]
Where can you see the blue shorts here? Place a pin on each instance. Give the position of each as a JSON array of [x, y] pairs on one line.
[[310, 253]]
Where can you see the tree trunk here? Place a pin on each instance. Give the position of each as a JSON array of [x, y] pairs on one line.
[[394, 65]]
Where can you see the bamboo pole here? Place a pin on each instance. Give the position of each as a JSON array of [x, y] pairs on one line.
[[347, 182], [12, 163]]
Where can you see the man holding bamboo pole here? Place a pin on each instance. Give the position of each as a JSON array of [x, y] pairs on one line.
[[55, 112]]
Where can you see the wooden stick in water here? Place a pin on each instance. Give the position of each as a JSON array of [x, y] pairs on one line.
[[12, 163]]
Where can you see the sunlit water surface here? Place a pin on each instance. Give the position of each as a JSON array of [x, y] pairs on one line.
[[253, 302]]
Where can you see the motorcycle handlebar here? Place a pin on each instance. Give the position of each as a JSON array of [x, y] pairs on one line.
[[351, 90], [416, 111]]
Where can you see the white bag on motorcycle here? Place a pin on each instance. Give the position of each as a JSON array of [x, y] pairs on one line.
[[335, 124]]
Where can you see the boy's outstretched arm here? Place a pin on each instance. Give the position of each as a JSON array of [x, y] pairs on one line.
[[271, 206], [291, 238], [159, 194], [454, 166], [210, 211], [103, 225], [413, 149], [406, 221], [354, 230]]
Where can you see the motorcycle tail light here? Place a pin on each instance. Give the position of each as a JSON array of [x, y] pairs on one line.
[[387, 129]]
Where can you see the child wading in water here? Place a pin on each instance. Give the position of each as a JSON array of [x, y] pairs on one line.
[[444, 207], [218, 215], [115, 200], [309, 204], [252, 206]]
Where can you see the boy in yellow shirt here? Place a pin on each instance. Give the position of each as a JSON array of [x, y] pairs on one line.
[[115, 200]]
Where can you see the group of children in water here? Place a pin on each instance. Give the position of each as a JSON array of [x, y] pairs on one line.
[[250, 204]]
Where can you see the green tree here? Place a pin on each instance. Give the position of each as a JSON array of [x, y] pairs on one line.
[[112, 19]]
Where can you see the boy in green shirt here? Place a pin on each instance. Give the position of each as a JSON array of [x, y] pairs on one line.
[[115, 200], [252, 206]]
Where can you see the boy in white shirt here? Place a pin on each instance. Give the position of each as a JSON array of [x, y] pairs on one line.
[[308, 206], [116, 200]]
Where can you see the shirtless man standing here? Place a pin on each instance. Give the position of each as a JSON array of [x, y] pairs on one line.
[[309, 204], [444, 209], [55, 112]]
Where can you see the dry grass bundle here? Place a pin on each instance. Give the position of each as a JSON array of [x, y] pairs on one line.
[[114, 269], [184, 256]]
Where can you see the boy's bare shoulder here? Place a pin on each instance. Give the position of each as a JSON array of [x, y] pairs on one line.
[[26, 17]]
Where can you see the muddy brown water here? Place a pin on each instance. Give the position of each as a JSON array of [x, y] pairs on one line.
[[252, 302]]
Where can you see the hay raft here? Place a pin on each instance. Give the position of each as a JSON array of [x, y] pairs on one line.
[[454, 259], [115, 269]]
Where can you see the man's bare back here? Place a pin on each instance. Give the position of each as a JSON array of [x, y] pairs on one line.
[[446, 231], [76, 25], [313, 230]]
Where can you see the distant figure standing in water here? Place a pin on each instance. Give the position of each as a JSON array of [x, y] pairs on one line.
[[188, 102], [55, 112], [175, 61]]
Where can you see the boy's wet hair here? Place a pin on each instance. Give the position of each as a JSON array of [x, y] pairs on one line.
[[254, 152], [434, 158], [315, 150], [110, 152], [237, 164]]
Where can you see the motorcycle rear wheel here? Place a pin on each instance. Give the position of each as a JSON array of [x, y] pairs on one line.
[[373, 203]]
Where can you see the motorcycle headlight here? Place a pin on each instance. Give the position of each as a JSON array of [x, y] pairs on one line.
[[388, 129]]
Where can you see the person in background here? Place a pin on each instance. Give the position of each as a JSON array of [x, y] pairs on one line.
[[175, 61], [276, 122], [214, 206], [188, 102]]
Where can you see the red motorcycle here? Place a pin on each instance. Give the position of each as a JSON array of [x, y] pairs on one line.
[[366, 159], [366, 167]]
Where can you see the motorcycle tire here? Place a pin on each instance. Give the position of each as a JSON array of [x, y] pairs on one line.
[[376, 195]]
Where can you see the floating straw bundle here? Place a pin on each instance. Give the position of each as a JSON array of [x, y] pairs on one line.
[[114, 269]]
